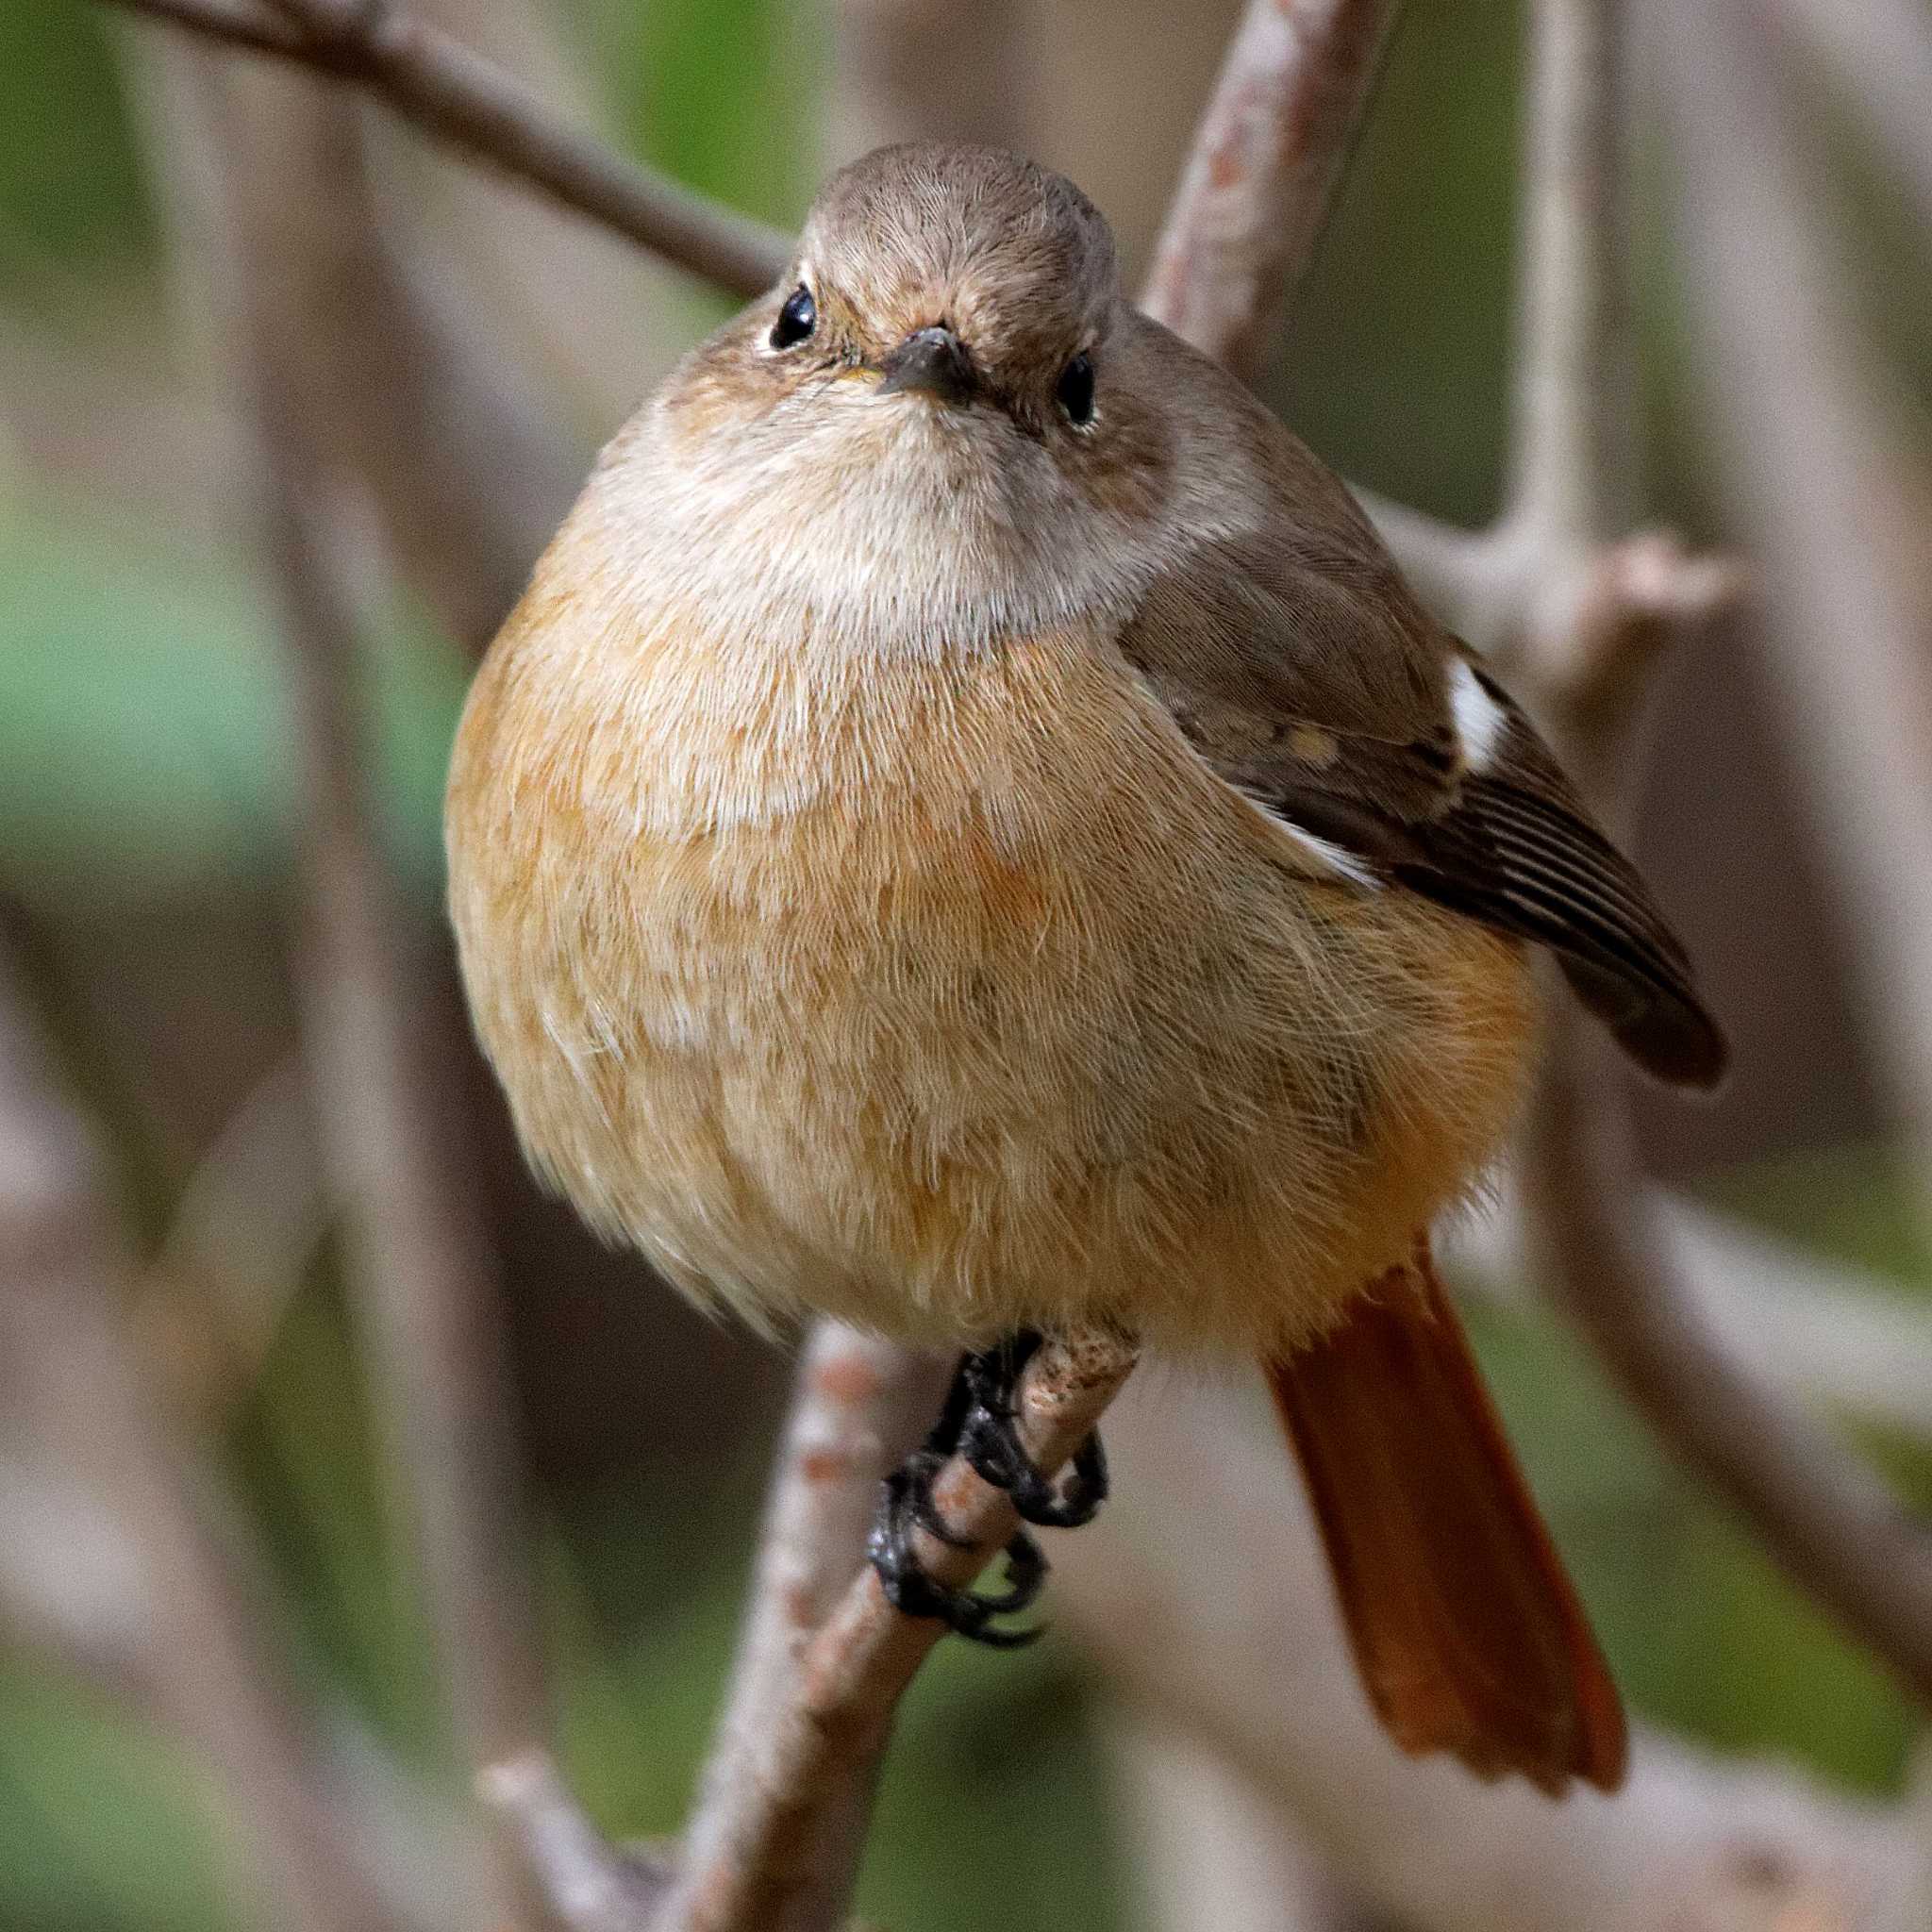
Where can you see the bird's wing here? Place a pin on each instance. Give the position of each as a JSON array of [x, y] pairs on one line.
[[1304, 671]]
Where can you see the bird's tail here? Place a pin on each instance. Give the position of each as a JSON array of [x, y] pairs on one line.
[[1465, 1626]]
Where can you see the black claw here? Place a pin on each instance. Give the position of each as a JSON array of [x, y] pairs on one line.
[[977, 1423], [991, 1446], [907, 1499]]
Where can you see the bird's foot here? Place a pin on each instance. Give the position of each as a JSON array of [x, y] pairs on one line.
[[906, 1501], [979, 1422], [990, 1440]]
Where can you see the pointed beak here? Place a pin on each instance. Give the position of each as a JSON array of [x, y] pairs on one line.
[[932, 361]]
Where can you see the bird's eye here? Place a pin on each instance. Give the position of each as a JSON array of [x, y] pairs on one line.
[[1076, 390], [796, 319]]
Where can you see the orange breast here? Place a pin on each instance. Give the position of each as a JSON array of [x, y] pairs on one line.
[[951, 995]]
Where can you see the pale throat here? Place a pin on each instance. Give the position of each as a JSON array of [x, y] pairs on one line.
[[878, 527]]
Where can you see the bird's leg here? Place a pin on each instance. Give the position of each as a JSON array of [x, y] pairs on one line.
[[906, 1500], [990, 1442]]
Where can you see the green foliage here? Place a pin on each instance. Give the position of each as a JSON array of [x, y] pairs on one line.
[[143, 742], [723, 93], [102, 1827], [72, 195]]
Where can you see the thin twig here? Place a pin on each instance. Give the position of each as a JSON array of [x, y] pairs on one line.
[[592, 1885], [866, 1654], [455, 95], [1263, 170]]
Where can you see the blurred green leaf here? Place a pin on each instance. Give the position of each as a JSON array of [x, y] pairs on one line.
[[723, 93], [72, 187], [101, 1826], [144, 741]]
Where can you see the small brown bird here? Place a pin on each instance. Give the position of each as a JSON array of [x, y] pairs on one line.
[[969, 832]]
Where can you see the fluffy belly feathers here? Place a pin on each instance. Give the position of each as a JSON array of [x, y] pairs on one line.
[[979, 1007]]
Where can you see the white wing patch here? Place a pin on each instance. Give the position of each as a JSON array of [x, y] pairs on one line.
[[1479, 719], [1332, 858], [1358, 871]]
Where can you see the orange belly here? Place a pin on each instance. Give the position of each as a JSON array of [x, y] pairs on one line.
[[985, 1007]]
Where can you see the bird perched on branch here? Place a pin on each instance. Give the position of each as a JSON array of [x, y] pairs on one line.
[[969, 832]]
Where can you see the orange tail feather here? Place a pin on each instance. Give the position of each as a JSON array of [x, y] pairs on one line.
[[1465, 1626]]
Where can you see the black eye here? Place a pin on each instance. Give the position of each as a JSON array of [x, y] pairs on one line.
[[796, 319], [1075, 390]]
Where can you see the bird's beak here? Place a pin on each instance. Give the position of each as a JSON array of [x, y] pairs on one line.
[[932, 361]]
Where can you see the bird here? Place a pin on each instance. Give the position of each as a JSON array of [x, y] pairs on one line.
[[969, 832]]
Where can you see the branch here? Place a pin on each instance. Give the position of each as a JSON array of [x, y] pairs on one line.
[[1288, 105], [904, 69], [860, 1406], [592, 1885], [1827, 1335], [864, 1657], [1266, 163], [1830, 1521], [1810, 443], [391, 1131], [1573, 465], [459, 98], [1807, 455]]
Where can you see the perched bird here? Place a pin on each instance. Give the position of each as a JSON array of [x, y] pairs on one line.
[[967, 831]]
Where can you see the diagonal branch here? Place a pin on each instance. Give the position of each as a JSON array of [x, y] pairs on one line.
[[459, 98], [757, 1848], [1693, 1843], [1833, 1524], [860, 1406], [1267, 160]]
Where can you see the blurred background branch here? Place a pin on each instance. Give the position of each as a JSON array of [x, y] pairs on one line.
[[441, 87]]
